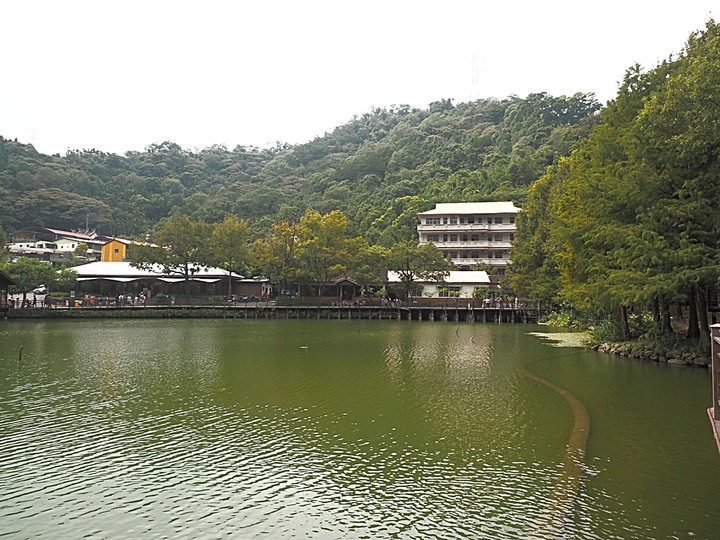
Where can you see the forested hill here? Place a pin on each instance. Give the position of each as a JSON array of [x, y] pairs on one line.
[[379, 169]]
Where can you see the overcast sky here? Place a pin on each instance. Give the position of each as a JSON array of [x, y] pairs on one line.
[[121, 75]]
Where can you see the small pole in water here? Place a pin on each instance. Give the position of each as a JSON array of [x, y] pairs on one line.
[[20, 355]]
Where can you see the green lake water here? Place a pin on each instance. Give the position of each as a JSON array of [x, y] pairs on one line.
[[344, 429]]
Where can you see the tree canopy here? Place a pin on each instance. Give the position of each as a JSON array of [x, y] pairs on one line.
[[379, 169], [631, 219]]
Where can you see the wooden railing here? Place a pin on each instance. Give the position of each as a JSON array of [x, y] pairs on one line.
[[715, 350], [714, 411]]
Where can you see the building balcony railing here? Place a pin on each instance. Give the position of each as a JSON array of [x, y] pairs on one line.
[[481, 244], [459, 227], [473, 262]]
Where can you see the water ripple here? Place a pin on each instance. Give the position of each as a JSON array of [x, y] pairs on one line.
[[412, 432]]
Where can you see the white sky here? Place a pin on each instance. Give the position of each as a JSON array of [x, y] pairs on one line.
[[121, 75]]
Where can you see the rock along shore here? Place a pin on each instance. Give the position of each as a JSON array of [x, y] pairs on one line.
[[656, 353]]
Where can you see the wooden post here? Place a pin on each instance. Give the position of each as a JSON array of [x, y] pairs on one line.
[[714, 411], [715, 351]]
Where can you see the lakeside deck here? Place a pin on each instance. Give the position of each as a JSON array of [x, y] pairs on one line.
[[259, 310]]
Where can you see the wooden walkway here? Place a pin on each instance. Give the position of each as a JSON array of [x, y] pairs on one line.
[[252, 310]]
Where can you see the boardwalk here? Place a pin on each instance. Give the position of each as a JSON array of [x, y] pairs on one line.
[[269, 310]]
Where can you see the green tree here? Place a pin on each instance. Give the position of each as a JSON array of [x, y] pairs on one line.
[[3, 245], [81, 252], [417, 263], [276, 254], [180, 247], [230, 246], [630, 219], [323, 247], [29, 273], [367, 262], [57, 208]]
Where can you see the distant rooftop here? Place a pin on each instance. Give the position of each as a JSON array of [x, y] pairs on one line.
[[50, 232], [124, 271], [455, 277], [501, 207]]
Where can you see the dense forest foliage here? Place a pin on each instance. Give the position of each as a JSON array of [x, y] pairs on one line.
[[630, 222], [379, 169]]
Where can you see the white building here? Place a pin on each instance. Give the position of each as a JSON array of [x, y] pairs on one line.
[[471, 233], [54, 244], [457, 284]]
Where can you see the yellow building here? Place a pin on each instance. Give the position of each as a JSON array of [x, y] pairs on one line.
[[114, 251]]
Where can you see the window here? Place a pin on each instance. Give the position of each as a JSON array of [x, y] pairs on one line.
[[498, 237], [471, 220], [444, 221], [464, 237], [489, 220], [453, 221], [512, 237], [512, 219], [453, 237], [474, 237], [445, 238], [117, 250], [498, 220], [433, 237], [462, 220], [449, 291], [432, 221], [499, 255], [453, 255]]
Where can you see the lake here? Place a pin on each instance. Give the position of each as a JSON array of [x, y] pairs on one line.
[[345, 429]]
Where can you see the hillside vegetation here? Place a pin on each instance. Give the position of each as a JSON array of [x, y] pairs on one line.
[[379, 169], [629, 224]]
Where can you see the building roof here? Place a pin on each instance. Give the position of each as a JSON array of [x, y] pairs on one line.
[[6, 279], [71, 234], [455, 277], [501, 207], [124, 271], [121, 240], [55, 232]]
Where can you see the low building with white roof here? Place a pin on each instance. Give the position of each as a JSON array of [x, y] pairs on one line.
[[113, 278], [457, 284]]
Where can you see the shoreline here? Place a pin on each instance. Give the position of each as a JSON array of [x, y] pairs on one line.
[[653, 352], [274, 311]]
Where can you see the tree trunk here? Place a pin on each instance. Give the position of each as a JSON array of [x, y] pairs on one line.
[[680, 312], [656, 313], [702, 315], [693, 331], [666, 323], [624, 326]]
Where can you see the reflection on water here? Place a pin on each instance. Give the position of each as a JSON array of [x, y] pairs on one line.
[[206, 429]]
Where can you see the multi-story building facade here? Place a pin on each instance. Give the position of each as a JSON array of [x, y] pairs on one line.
[[471, 233]]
